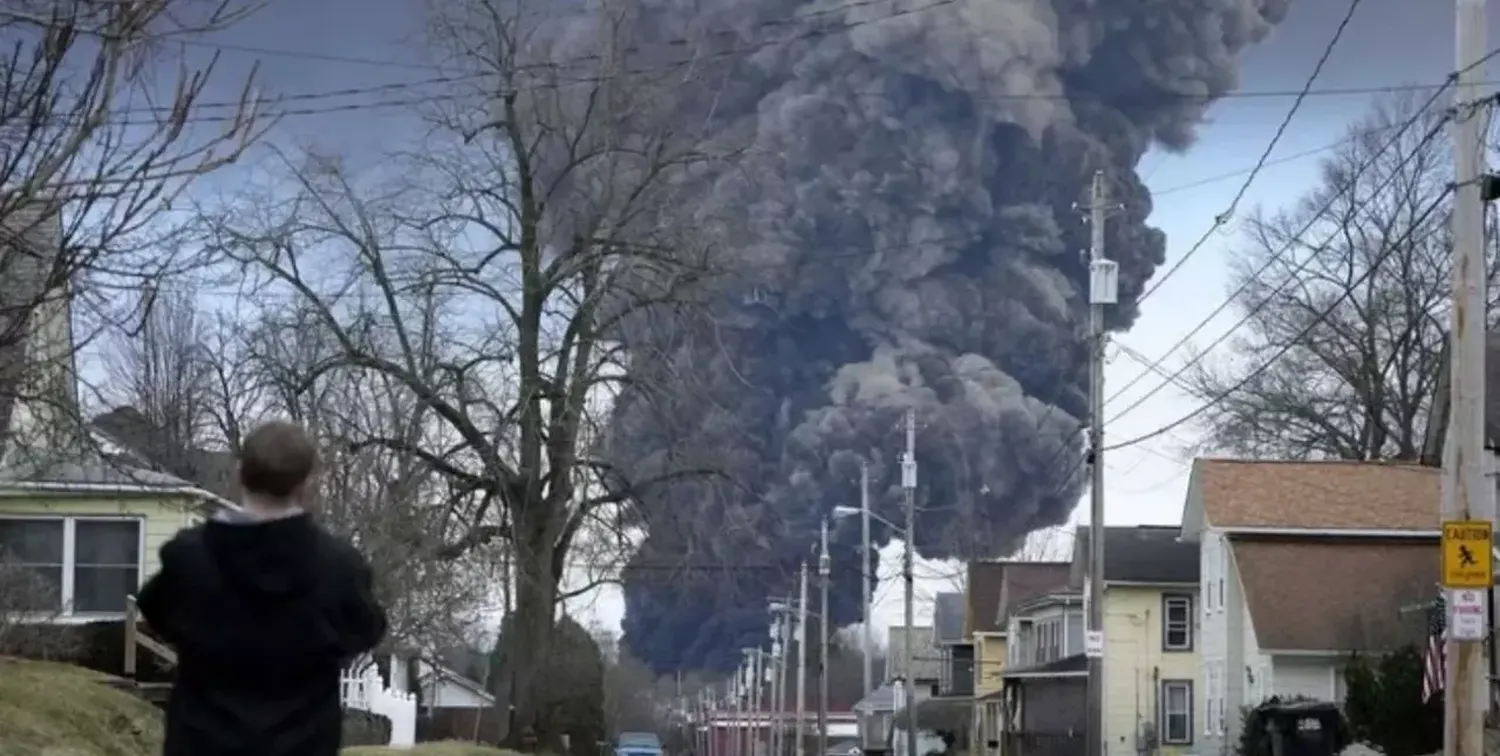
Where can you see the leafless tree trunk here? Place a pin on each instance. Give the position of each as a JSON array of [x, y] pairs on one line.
[[485, 288], [1356, 384], [95, 142]]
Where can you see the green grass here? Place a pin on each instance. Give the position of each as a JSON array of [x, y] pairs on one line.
[[61, 710]]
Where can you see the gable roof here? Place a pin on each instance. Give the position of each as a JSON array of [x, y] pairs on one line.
[[948, 617], [146, 444], [1331, 495], [983, 602], [1024, 581], [1139, 554], [1353, 603]]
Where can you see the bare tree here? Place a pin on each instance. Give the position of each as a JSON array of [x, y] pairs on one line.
[[384, 498], [165, 374], [96, 141], [1344, 296], [541, 214]]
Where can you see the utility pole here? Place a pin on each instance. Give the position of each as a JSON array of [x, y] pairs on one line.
[[868, 641], [739, 712], [799, 747], [1103, 290], [1464, 494], [909, 488], [825, 567], [778, 663]]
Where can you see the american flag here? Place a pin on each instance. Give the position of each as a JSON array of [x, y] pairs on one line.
[[1434, 661]]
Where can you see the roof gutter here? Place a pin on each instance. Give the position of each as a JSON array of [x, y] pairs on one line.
[[203, 497], [1356, 532]]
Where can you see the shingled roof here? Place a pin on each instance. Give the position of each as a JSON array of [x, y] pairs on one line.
[[1331, 594], [146, 444], [948, 617], [1140, 554], [1331, 495], [1024, 581], [980, 612]]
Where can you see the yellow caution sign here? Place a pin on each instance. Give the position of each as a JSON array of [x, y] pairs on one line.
[[1468, 561]]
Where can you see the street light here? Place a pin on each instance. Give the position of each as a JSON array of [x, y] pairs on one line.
[[908, 489]]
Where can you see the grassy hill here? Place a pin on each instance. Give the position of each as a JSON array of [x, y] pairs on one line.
[[61, 710]]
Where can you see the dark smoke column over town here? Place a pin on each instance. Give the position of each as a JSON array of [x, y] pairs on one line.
[[909, 241]]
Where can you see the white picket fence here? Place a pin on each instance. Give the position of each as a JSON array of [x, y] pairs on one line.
[[365, 691]]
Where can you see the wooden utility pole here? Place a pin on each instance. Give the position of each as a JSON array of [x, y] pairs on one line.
[[1103, 291], [1467, 506]]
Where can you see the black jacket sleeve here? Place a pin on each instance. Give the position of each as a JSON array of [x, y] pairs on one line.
[[158, 598], [364, 619]]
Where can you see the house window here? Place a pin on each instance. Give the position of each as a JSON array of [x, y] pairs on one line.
[[82, 565], [1221, 594], [1177, 623], [1211, 693], [1176, 712]]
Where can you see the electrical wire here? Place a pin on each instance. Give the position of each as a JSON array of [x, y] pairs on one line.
[[1155, 366], [740, 50], [1295, 341], [1250, 315], [1228, 214], [1315, 217]]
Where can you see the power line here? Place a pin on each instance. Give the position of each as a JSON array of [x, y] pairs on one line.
[[1314, 218], [1224, 217], [1295, 341]]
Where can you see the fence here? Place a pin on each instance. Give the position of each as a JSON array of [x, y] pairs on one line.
[[367, 692]]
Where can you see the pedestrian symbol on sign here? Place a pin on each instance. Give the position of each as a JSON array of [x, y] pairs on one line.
[[1466, 557]]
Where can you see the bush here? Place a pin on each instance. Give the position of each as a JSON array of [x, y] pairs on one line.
[[363, 728], [1384, 704]]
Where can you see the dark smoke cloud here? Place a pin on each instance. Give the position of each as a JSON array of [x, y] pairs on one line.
[[909, 240]]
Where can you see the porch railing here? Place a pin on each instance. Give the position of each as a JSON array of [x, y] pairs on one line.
[[135, 639]]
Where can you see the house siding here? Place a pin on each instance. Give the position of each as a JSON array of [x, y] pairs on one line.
[[162, 517], [1221, 613], [989, 677], [1135, 665], [989, 670]]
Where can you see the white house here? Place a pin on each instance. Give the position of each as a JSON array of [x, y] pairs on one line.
[[1304, 563]]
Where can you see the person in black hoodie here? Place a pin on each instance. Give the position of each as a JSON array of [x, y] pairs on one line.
[[264, 608]]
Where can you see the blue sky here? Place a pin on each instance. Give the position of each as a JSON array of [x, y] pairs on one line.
[[320, 45]]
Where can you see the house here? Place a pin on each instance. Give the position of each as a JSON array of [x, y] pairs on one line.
[[1153, 702], [993, 587], [878, 728], [1303, 563], [69, 512], [955, 650], [1044, 699]]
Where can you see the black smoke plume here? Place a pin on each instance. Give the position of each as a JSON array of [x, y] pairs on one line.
[[910, 239]]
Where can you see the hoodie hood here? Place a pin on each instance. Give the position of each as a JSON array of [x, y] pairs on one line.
[[271, 558]]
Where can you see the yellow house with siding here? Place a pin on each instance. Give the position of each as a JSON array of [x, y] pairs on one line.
[[1153, 697], [993, 588], [76, 508]]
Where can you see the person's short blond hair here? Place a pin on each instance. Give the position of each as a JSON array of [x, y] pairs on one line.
[[276, 460]]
